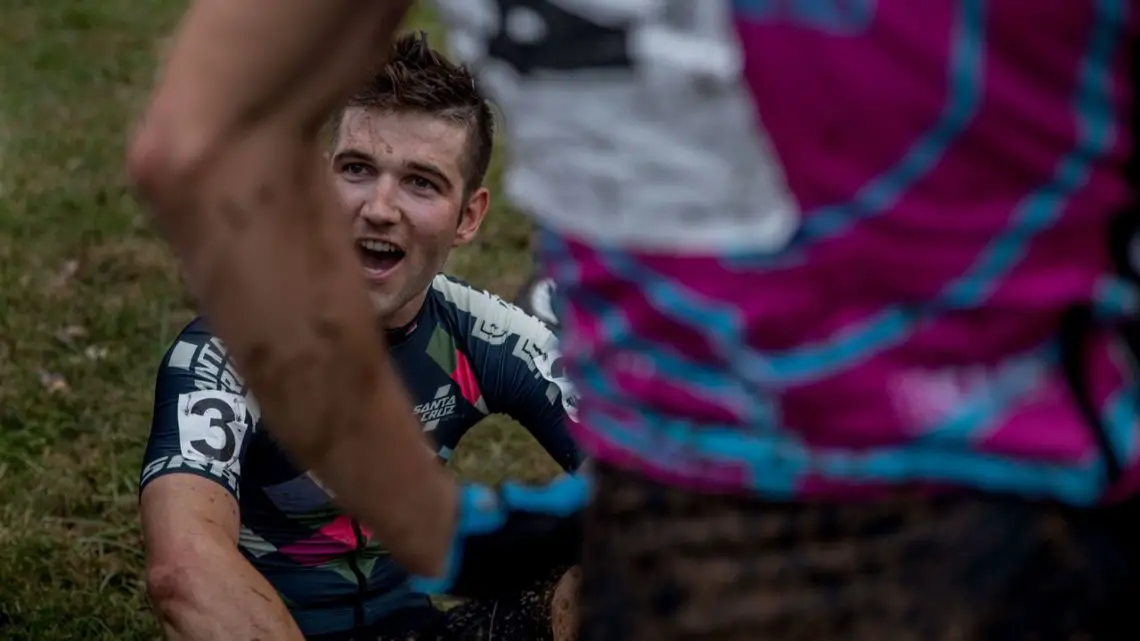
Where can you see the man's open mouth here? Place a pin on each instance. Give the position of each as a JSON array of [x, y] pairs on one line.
[[379, 256]]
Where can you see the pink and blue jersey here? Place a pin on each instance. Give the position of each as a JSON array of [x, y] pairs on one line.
[[903, 303]]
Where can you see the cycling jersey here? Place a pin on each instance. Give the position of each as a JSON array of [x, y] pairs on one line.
[[827, 248], [467, 354]]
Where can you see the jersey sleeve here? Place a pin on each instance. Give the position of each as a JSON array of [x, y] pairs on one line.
[[203, 418], [517, 366]]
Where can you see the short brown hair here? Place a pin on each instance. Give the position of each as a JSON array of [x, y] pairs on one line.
[[416, 78]]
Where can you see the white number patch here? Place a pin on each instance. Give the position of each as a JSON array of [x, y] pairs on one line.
[[212, 426]]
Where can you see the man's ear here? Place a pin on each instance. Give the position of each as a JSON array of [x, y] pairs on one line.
[[471, 216]]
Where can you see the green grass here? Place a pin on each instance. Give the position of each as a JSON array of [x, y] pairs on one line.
[[89, 299]]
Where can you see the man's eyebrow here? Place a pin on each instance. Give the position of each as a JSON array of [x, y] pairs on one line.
[[431, 170], [352, 154]]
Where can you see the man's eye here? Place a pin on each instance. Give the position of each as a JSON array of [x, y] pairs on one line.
[[421, 183], [355, 169]]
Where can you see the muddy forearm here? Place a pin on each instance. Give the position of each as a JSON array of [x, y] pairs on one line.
[[221, 597]]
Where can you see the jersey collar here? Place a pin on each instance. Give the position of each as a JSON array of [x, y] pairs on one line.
[[397, 335]]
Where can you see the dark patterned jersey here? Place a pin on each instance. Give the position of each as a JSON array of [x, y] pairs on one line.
[[468, 354]]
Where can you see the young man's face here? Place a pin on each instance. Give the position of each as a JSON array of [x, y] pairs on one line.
[[400, 174]]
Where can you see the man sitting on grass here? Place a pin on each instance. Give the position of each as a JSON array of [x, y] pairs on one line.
[[240, 543]]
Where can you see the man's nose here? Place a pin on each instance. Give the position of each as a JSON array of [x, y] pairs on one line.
[[381, 207]]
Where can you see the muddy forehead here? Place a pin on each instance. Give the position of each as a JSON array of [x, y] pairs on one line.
[[404, 137]]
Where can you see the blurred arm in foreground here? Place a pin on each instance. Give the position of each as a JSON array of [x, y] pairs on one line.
[[228, 159]]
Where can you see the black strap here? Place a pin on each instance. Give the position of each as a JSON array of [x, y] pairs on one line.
[[1076, 324]]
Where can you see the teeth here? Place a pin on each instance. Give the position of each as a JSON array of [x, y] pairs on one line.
[[379, 246]]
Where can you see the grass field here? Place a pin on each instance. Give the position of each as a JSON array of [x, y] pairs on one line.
[[89, 300]]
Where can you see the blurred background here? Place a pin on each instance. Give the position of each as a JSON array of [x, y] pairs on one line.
[[89, 300]]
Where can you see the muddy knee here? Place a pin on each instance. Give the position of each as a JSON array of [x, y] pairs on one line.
[[564, 606]]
